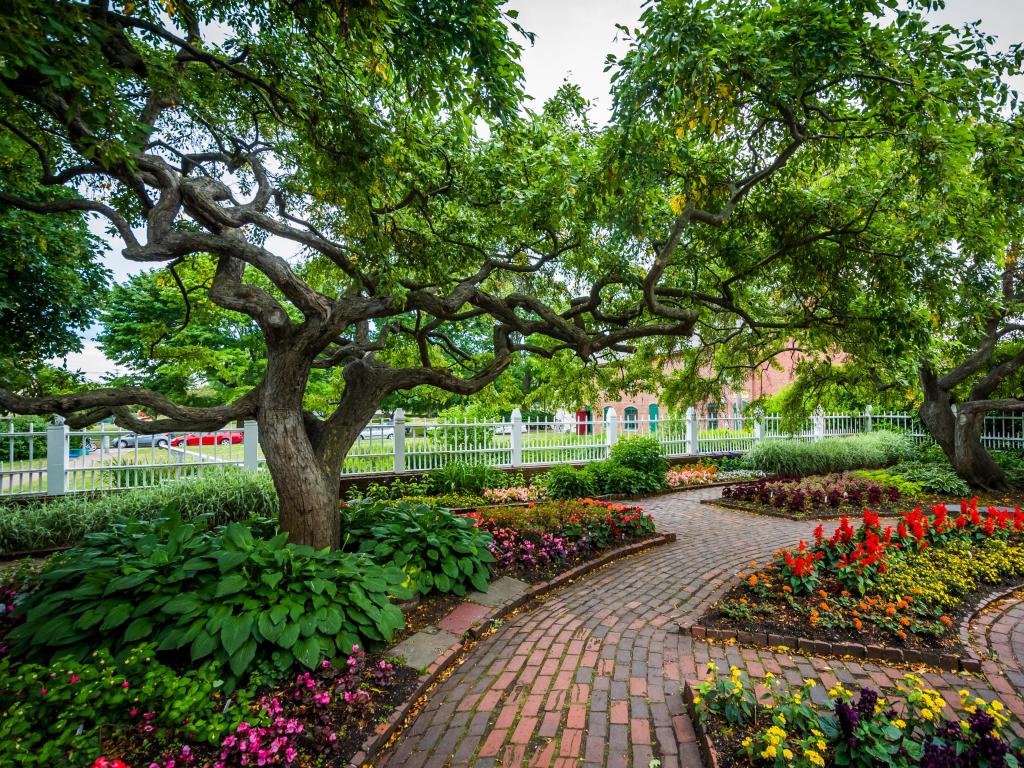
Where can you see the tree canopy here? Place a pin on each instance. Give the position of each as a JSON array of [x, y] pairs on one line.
[[327, 160]]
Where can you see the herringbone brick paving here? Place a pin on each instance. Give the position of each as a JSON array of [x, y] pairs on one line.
[[593, 676]]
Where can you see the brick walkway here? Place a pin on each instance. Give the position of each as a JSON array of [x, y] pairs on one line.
[[998, 637], [593, 677]]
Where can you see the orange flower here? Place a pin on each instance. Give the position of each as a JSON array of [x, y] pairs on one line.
[[752, 581], [855, 614], [890, 610], [858, 624], [823, 593], [902, 634], [946, 620], [845, 593], [908, 598], [905, 621], [824, 605], [786, 588], [901, 604], [863, 606]]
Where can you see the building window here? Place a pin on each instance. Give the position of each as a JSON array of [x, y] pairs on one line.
[[631, 419], [712, 415], [652, 415]]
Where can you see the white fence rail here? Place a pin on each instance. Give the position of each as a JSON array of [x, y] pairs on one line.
[[58, 461]]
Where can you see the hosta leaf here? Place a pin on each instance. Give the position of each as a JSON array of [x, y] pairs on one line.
[[231, 584], [239, 662], [307, 651], [115, 617], [203, 645], [235, 632], [138, 629]]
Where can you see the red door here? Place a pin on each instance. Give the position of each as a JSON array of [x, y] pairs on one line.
[[582, 421]]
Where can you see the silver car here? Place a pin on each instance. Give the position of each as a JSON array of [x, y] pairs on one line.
[[132, 440], [378, 431]]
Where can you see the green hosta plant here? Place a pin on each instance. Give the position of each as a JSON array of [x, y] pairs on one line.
[[224, 595], [437, 549]]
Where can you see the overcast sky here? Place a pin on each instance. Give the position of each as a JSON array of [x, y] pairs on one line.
[[572, 39]]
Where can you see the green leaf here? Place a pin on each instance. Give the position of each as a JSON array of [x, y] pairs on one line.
[[235, 632], [203, 645], [185, 603], [307, 651], [138, 629], [118, 615], [289, 635], [239, 662], [127, 582], [450, 567], [231, 584]]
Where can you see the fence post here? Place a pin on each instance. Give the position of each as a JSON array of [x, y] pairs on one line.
[[758, 425], [819, 424], [399, 424], [517, 438], [611, 428], [868, 421], [250, 445], [56, 457], [691, 431]]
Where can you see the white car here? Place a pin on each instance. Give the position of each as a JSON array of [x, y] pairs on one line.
[[378, 431], [506, 429]]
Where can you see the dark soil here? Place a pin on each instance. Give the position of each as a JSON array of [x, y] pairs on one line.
[[853, 511], [779, 618], [540, 575], [351, 741]]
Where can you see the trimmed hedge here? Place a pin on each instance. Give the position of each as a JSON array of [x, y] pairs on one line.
[[225, 496], [839, 454]]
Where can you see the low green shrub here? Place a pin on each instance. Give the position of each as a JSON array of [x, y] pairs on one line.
[[437, 550], [564, 481], [611, 477], [934, 477], [1012, 463], [223, 594], [798, 457], [462, 477], [57, 714], [224, 496], [643, 454], [890, 479]]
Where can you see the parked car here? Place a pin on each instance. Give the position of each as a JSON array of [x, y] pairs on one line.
[[506, 428], [208, 438], [132, 440], [379, 431]]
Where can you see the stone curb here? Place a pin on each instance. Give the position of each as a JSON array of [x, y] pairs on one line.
[[948, 662], [706, 747], [383, 733]]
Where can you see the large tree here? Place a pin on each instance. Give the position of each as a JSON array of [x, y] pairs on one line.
[[331, 150]]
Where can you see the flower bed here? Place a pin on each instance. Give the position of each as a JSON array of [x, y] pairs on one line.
[[911, 727], [904, 585], [810, 497], [537, 541], [145, 713]]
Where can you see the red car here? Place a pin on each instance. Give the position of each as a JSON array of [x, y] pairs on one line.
[[207, 438]]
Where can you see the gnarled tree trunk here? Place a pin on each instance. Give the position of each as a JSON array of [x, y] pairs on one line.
[[972, 461]]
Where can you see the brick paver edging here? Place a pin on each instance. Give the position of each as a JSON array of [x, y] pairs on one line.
[[405, 712], [705, 745], [892, 655], [965, 625]]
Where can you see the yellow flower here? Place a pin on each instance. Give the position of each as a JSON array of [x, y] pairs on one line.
[[746, 742], [814, 757], [810, 682], [901, 724], [927, 714], [769, 751], [788, 754]]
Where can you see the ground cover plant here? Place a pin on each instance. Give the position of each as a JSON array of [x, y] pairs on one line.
[[815, 496], [537, 540], [142, 712], [774, 724], [905, 584], [223, 496]]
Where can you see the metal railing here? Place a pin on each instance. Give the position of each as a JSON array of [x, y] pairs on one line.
[[59, 461]]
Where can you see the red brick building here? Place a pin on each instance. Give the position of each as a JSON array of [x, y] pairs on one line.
[[636, 412]]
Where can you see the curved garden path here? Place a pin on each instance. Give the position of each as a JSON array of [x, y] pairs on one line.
[[593, 677]]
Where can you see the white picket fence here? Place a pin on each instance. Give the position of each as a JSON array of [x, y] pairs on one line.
[[58, 461]]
